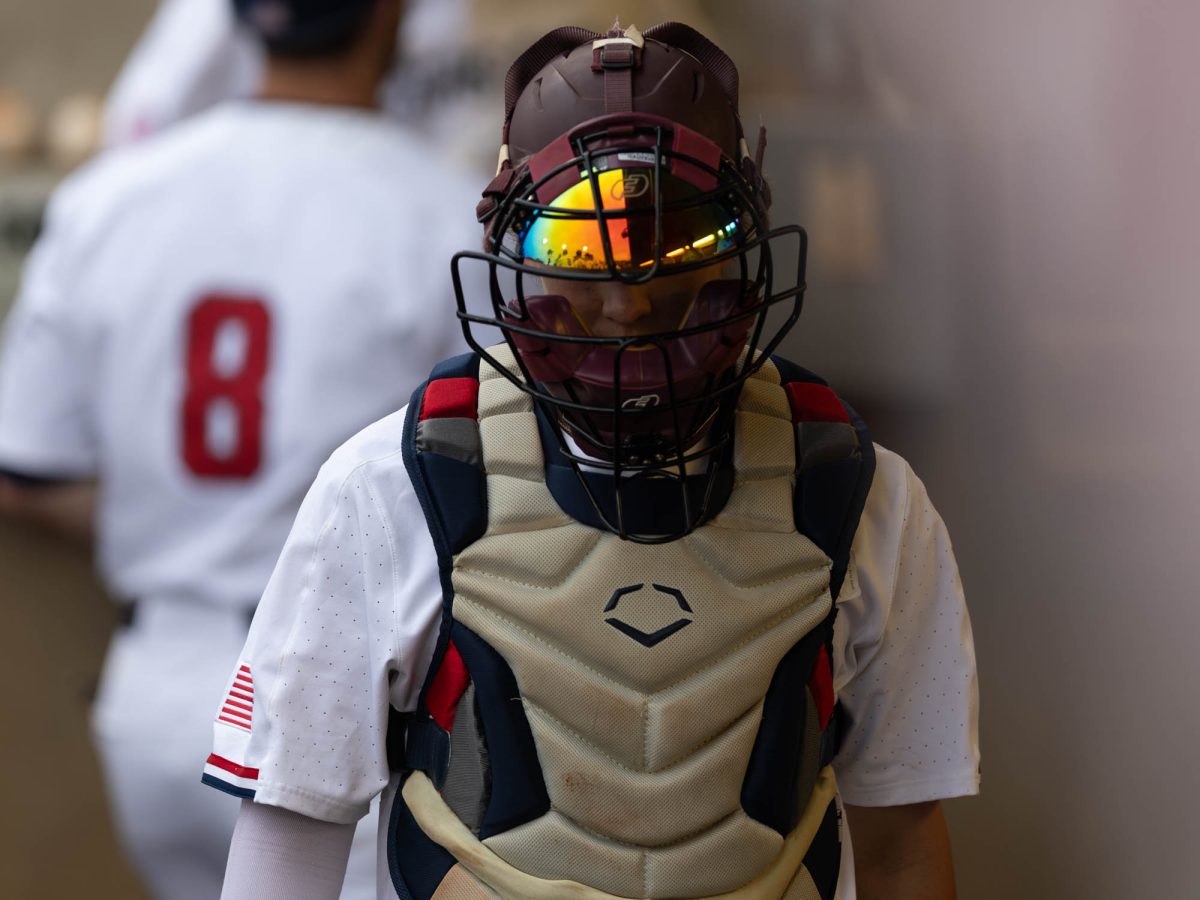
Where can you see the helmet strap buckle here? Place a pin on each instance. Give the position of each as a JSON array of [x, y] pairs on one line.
[[617, 55], [618, 49]]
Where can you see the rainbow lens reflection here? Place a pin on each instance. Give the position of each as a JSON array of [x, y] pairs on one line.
[[568, 235]]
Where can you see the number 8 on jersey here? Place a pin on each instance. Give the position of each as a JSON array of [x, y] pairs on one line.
[[238, 388]]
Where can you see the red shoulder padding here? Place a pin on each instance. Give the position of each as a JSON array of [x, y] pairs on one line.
[[815, 403], [451, 398], [448, 687], [820, 684]]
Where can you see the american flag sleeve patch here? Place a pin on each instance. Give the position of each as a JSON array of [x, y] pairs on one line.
[[226, 769]]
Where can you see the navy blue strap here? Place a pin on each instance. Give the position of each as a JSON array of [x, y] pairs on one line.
[[828, 503], [427, 749], [829, 498], [453, 496]]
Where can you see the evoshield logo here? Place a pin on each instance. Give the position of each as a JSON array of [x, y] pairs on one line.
[[661, 595], [634, 185]]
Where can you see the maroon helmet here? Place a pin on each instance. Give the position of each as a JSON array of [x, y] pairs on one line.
[[624, 161]]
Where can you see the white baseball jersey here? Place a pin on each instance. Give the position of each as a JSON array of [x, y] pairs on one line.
[[349, 620], [209, 314]]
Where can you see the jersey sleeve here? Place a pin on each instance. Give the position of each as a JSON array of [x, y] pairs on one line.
[[344, 630], [47, 366], [904, 659]]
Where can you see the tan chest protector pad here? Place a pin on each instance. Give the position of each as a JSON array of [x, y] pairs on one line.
[[611, 719]]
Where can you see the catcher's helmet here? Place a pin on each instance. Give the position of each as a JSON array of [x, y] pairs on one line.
[[624, 161], [303, 26]]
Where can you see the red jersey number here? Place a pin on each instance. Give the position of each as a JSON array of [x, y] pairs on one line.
[[240, 389]]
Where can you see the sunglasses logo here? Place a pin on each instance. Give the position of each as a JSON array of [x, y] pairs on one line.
[[634, 185]]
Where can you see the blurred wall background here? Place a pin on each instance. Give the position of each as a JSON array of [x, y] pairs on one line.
[[1004, 258], [55, 837]]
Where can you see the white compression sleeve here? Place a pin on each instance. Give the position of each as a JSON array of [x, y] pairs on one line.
[[277, 854]]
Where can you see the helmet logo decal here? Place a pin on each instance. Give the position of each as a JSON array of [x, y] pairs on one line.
[[635, 184], [646, 400], [649, 638]]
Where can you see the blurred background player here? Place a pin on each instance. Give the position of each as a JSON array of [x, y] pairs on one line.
[[193, 56], [445, 80], [204, 318]]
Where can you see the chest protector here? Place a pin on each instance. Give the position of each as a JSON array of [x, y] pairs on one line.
[[608, 719]]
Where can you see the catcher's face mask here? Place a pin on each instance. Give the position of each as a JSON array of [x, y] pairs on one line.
[[639, 201]]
